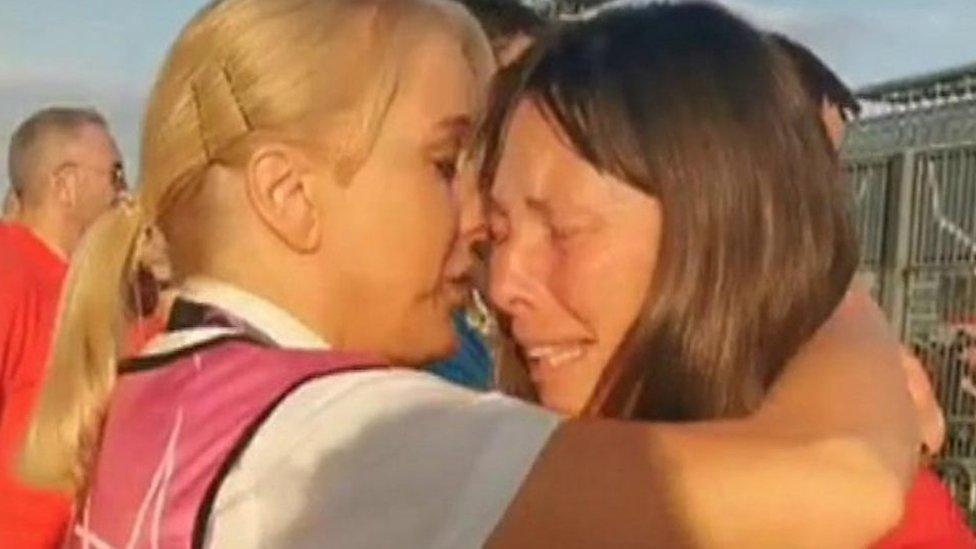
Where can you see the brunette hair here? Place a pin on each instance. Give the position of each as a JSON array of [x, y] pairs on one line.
[[696, 108]]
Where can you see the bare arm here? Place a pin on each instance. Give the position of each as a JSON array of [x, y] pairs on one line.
[[927, 406], [824, 463]]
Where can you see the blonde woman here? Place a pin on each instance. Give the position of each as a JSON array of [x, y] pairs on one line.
[[298, 156]]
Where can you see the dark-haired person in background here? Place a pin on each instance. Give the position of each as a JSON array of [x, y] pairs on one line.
[[511, 26], [838, 104], [932, 518]]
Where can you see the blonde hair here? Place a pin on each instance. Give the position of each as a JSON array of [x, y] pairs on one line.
[[321, 73]]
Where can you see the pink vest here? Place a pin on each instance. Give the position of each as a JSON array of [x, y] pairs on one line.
[[174, 430]]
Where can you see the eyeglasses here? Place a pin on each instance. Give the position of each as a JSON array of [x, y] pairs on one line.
[[117, 172], [119, 182]]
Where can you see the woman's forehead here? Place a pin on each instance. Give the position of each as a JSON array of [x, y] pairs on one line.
[[539, 165], [437, 83]]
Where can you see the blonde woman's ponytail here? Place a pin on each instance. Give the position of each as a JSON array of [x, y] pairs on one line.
[[65, 428]]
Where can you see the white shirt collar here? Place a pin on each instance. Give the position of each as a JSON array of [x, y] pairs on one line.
[[278, 325]]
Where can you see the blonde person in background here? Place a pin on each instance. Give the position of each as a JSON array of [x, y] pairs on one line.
[[299, 158]]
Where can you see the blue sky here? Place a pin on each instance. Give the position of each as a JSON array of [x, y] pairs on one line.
[[104, 53]]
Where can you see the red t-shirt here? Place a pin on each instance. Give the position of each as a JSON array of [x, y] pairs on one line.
[[31, 276], [932, 520]]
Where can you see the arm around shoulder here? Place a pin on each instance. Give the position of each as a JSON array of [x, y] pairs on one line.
[[824, 463]]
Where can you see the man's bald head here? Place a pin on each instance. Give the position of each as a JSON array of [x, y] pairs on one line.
[[38, 146], [66, 171]]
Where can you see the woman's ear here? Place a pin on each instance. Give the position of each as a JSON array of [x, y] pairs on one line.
[[281, 188]]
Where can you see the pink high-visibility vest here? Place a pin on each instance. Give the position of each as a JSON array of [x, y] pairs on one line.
[[175, 428]]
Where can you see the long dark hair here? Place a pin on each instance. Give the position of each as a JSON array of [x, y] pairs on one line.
[[693, 106]]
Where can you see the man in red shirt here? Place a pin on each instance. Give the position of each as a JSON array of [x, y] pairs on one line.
[[65, 170]]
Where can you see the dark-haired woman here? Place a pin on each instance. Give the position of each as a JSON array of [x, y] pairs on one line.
[[669, 221]]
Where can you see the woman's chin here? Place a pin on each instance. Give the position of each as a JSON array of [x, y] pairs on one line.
[[564, 404], [433, 345]]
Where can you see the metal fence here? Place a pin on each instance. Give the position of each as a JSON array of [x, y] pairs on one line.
[[871, 181], [916, 212]]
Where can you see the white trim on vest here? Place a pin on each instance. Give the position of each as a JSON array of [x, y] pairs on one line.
[[280, 326]]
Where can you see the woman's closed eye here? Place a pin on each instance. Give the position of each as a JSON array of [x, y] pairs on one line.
[[565, 225], [447, 168], [447, 142], [566, 232]]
